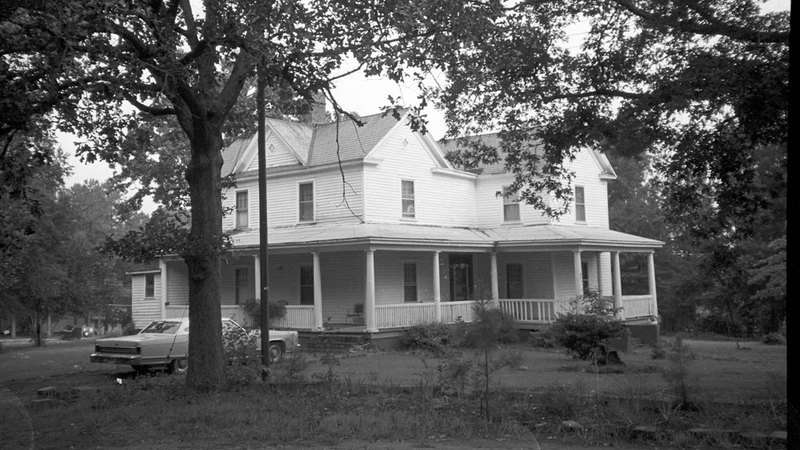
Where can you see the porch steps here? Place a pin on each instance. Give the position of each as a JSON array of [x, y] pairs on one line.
[[331, 342]]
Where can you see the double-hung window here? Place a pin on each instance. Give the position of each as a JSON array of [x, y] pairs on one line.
[[410, 282], [580, 204], [511, 207], [149, 285], [306, 285], [241, 210], [407, 195], [306, 202]]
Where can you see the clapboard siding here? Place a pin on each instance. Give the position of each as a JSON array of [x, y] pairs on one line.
[[145, 309], [537, 275], [587, 174], [389, 276], [283, 201], [440, 199], [490, 204]]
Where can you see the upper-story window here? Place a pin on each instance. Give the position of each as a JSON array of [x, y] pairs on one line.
[[149, 285], [241, 210], [407, 194], [306, 202], [580, 204], [511, 207]]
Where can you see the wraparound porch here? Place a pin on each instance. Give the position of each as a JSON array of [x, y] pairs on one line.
[[369, 289]]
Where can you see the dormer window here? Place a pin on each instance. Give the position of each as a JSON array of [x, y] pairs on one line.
[[510, 206], [241, 210], [306, 202], [407, 194], [580, 204]]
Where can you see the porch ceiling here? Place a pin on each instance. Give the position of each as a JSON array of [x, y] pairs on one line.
[[532, 237]]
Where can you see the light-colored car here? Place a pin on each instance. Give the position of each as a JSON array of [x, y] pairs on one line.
[[164, 343]]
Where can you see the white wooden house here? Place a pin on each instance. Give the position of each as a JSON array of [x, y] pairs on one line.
[[373, 229]]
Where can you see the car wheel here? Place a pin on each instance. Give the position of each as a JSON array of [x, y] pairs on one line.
[[172, 366], [275, 351], [140, 370]]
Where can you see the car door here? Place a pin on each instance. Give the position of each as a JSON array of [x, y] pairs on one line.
[[179, 347]]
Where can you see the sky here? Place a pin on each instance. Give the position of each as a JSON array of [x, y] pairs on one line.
[[356, 93]]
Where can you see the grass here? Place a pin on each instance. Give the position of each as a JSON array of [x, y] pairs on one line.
[[397, 396]]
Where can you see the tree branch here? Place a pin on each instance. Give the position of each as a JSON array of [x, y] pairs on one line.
[[715, 26], [155, 111]]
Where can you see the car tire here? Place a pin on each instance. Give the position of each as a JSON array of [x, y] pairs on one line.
[[276, 351], [172, 367], [141, 370]]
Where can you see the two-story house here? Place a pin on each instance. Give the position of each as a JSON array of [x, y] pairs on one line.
[[372, 229]]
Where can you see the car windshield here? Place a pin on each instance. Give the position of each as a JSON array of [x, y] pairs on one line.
[[163, 327]]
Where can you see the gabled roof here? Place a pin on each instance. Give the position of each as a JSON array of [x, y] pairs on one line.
[[315, 145], [493, 140]]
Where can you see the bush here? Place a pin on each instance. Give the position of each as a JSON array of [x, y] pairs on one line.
[[491, 326], [773, 339], [432, 337], [581, 332], [252, 308]]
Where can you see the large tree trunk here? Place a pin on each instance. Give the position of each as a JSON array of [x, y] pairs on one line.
[[203, 259]]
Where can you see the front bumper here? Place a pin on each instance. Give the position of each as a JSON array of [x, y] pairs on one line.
[[133, 360]]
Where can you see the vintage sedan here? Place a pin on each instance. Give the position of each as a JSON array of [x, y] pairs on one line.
[[164, 344]]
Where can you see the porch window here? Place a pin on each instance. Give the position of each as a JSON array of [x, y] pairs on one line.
[[150, 285], [306, 285], [241, 210], [407, 194], [580, 204], [511, 207], [306, 205], [241, 285], [514, 280], [410, 282]]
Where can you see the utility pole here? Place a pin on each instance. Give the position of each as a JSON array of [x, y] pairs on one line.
[[262, 225]]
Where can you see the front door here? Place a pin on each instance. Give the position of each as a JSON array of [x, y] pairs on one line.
[[460, 277]]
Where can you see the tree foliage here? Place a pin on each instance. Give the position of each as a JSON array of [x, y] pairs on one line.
[[700, 85]]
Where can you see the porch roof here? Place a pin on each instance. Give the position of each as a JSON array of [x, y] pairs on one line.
[[530, 237]]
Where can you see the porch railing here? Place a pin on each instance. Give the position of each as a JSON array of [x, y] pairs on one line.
[[299, 317], [637, 306], [404, 314], [529, 310], [452, 312]]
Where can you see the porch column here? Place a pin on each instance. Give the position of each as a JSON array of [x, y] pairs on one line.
[[617, 282], [317, 292], [13, 326], [257, 277], [437, 288], [576, 259], [369, 295], [493, 276], [162, 265], [651, 278], [49, 324]]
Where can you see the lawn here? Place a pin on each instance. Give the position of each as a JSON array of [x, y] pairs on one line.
[[397, 399]]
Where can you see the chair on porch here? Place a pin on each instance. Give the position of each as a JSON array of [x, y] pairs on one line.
[[357, 316]]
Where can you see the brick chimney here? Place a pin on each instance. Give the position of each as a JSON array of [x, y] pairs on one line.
[[318, 113]]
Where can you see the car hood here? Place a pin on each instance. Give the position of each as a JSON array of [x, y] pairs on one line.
[[130, 341]]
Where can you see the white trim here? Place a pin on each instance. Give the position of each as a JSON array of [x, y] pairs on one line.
[[454, 173], [313, 201]]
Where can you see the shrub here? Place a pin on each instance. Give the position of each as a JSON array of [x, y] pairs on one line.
[[433, 337], [492, 326], [587, 326], [773, 339], [252, 308]]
